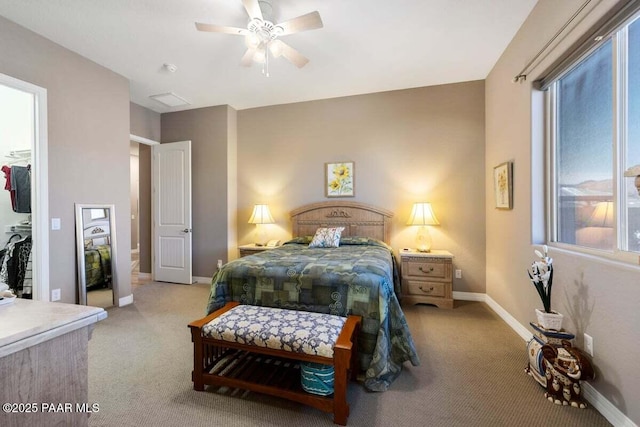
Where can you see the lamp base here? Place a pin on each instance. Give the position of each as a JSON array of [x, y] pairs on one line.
[[423, 239], [423, 250]]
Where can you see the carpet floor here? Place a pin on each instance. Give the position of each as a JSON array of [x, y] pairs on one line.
[[471, 374]]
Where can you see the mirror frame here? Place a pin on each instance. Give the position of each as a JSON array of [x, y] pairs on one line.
[[82, 279]]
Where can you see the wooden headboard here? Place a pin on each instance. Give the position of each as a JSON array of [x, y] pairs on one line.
[[358, 219]]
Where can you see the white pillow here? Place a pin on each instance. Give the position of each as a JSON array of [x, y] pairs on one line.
[[326, 238]]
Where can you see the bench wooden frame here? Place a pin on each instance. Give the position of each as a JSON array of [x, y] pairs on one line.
[[271, 371]]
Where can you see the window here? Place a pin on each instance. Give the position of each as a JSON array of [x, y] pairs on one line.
[[594, 119]]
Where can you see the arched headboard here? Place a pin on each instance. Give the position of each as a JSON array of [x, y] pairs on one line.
[[358, 219]]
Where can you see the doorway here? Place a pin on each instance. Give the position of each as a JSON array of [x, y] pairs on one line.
[[29, 152], [140, 154]]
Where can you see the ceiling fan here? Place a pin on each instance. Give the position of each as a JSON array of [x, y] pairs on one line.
[[262, 35]]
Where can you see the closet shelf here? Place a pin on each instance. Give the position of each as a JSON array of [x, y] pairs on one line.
[[25, 228]]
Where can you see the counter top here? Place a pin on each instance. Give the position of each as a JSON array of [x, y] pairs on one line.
[[25, 323]]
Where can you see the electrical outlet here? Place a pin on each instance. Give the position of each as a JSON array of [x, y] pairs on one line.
[[55, 295], [458, 274], [588, 344], [219, 264]]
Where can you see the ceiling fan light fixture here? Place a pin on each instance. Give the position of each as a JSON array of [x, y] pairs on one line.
[[275, 48], [260, 56], [252, 41], [262, 35]]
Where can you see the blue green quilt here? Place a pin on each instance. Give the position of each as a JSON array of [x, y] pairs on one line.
[[360, 277]]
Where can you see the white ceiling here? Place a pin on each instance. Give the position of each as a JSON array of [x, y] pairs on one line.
[[365, 46]]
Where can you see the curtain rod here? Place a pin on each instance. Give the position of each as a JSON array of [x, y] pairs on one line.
[[521, 76]]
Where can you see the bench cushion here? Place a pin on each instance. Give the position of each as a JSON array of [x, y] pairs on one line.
[[288, 330]]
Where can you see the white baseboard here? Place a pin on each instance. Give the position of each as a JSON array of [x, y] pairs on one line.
[[125, 300], [199, 279], [597, 400], [469, 296], [144, 276]]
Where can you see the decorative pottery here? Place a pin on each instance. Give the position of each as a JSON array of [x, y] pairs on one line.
[[541, 336], [551, 320]]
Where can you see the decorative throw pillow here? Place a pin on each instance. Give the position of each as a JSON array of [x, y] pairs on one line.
[[326, 238]]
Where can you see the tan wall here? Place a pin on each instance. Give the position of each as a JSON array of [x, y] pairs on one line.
[[206, 128], [408, 146], [134, 174], [596, 297], [88, 132], [144, 123], [232, 180], [144, 166]]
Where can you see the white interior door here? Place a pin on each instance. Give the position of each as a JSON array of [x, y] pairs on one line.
[[171, 169]]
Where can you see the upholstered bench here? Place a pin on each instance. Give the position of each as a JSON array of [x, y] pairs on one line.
[[262, 349]]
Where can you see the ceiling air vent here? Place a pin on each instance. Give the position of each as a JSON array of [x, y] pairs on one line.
[[170, 99]]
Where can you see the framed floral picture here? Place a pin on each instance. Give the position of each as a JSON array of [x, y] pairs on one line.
[[339, 179], [502, 185]]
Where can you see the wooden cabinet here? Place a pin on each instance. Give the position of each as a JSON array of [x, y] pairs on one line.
[[251, 249], [427, 278]]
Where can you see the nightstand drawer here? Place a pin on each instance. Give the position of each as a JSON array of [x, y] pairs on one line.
[[426, 288], [424, 269]]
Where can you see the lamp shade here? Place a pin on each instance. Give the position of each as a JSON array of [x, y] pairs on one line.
[[602, 215], [261, 215], [422, 214]]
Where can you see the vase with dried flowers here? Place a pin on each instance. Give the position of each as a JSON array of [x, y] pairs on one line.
[[541, 275]]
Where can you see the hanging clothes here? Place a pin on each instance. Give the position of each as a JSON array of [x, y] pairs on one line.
[[21, 185], [15, 265], [7, 174]]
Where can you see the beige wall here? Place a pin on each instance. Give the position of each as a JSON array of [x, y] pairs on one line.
[[597, 297], [88, 131], [146, 124], [144, 167], [206, 128], [408, 146], [232, 180], [134, 174]]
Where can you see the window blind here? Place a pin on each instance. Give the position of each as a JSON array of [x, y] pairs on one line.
[[598, 34]]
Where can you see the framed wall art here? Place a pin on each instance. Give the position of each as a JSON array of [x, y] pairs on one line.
[[339, 179], [503, 186]]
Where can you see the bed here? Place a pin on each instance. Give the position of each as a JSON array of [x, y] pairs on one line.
[[359, 277], [97, 255]]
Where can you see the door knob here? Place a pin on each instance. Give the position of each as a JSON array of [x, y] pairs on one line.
[[186, 230]]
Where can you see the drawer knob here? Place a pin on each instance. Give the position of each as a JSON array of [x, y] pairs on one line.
[[425, 290], [425, 271]]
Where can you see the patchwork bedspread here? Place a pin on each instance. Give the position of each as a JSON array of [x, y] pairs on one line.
[[359, 277], [97, 263]]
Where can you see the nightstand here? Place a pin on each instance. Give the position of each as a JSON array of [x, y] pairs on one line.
[[251, 249], [427, 277]]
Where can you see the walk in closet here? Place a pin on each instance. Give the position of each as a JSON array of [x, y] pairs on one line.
[[16, 140]]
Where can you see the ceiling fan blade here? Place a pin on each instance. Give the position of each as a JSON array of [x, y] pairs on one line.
[[221, 29], [253, 8], [295, 57], [310, 21], [247, 58]]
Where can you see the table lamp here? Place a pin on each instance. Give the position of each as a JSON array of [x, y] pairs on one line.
[[422, 216], [602, 215], [260, 216]]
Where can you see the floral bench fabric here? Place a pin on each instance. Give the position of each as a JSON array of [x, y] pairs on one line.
[[288, 330]]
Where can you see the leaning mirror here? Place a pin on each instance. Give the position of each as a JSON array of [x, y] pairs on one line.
[[96, 251]]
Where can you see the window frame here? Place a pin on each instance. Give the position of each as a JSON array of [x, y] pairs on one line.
[[620, 103]]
